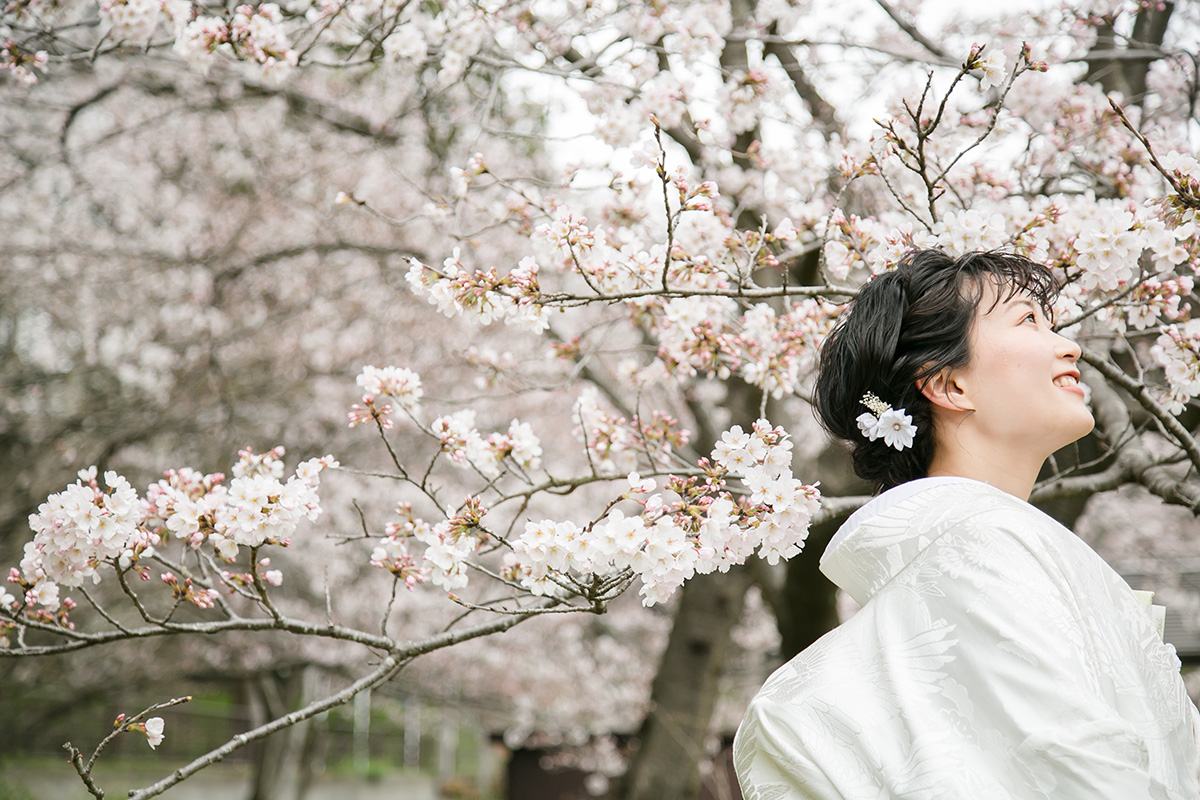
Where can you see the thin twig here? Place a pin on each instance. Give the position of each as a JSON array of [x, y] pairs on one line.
[[383, 673], [1185, 196]]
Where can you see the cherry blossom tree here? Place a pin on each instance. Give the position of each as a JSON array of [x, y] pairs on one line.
[[710, 182]]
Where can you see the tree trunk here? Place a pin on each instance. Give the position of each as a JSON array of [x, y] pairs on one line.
[[1120, 68], [671, 742], [808, 608], [277, 768]]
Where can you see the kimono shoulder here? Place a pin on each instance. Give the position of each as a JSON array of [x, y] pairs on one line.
[[995, 656]]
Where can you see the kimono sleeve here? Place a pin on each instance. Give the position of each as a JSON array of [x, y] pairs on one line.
[[769, 759], [1049, 686]]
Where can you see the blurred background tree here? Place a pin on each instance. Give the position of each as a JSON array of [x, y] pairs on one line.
[[209, 213]]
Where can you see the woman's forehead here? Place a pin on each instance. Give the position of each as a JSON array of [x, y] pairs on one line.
[[997, 295]]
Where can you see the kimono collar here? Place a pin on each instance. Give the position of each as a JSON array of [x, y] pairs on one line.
[[883, 536]]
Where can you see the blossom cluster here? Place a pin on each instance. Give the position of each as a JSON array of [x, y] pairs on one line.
[[568, 232], [485, 296], [393, 553], [774, 352], [457, 433], [1177, 351], [79, 528], [614, 443], [186, 591], [1100, 246], [705, 528], [447, 546], [696, 525], [85, 526], [707, 334], [1108, 249], [1152, 301], [256, 508], [467, 448], [1184, 171], [22, 63], [402, 385], [137, 20], [253, 34]]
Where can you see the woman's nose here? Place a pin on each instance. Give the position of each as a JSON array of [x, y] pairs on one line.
[[1068, 348]]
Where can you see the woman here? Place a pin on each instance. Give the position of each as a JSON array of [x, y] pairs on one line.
[[995, 655]]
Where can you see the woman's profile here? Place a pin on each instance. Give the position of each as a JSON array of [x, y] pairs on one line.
[[995, 655]]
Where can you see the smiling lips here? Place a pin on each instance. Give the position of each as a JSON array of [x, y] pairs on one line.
[[1070, 382]]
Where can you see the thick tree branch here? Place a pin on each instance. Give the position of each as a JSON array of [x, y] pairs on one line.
[[1173, 427], [913, 32], [1120, 65], [823, 114], [1136, 463]]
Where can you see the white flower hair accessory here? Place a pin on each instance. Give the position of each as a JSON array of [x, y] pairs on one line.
[[884, 422]]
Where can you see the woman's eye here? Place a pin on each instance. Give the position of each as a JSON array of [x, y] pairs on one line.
[[1030, 316]]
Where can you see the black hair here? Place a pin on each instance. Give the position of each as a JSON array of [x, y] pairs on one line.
[[904, 327]]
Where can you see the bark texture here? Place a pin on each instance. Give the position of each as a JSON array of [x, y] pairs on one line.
[[279, 764], [671, 742]]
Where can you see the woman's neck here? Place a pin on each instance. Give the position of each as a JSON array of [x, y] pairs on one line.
[[1012, 471]]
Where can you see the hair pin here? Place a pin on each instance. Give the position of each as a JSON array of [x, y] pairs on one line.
[[884, 422]]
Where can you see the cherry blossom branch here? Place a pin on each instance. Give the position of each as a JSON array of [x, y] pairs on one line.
[[215, 578], [1185, 195], [387, 611], [1136, 462], [1023, 66], [132, 595], [261, 588], [565, 608], [567, 299], [218, 574], [438, 641], [101, 611], [665, 180], [122, 725], [904, 204], [81, 640], [1099, 306], [1138, 391], [397, 658], [913, 32], [386, 670], [1112, 477]]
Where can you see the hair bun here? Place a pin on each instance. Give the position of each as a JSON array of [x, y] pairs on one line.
[[904, 326]]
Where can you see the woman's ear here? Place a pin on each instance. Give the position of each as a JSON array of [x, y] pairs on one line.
[[943, 389]]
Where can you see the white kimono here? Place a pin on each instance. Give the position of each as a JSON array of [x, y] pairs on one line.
[[995, 656]]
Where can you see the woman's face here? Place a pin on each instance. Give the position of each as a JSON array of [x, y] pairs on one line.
[[1021, 379]]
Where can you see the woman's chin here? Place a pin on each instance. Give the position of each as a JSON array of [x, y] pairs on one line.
[[1080, 426]]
